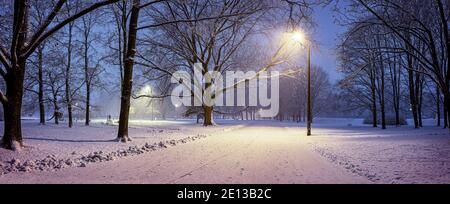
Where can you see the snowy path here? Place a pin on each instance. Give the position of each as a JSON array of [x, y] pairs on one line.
[[246, 155]]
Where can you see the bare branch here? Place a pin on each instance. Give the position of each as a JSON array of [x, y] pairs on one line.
[[33, 44], [3, 98], [194, 20], [151, 3], [48, 20]]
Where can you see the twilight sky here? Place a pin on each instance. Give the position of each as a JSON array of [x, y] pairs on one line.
[[326, 35]]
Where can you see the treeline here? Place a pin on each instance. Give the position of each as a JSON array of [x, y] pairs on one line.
[[395, 58], [294, 93]]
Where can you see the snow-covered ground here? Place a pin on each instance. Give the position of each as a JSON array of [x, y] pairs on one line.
[[395, 155], [340, 151], [60, 143]]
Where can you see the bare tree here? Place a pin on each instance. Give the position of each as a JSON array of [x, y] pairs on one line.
[[22, 45], [70, 8], [122, 134], [359, 64], [88, 23], [38, 17], [293, 94], [423, 28], [120, 11]]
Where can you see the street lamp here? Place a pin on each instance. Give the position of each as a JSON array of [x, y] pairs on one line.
[[299, 37]]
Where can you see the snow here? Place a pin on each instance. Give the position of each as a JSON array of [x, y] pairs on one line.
[[61, 143], [180, 151], [395, 155]]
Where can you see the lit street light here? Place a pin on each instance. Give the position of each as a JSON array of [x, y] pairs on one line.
[[300, 38]]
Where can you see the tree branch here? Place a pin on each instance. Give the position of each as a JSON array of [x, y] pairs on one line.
[[151, 96], [4, 61], [194, 20], [48, 20], [33, 44], [150, 3], [3, 98]]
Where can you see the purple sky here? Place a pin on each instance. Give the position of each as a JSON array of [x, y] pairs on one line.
[[326, 36]]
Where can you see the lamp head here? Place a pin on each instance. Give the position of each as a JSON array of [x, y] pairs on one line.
[[298, 37]]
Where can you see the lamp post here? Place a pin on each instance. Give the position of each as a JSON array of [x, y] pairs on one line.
[[300, 37], [309, 111]]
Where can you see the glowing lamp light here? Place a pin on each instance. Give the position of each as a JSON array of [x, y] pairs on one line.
[[147, 89], [298, 37]]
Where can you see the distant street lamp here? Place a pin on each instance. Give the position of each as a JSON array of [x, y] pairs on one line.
[[300, 38]]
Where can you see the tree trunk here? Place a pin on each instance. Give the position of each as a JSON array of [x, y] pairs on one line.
[[12, 108], [412, 96], [87, 80], [208, 117], [382, 102], [124, 36], [446, 110], [419, 96], [413, 99], [12, 102], [67, 81], [438, 107], [208, 110], [374, 108], [382, 98], [55, 109], [444, 23], [127, 84], [395, 74], [41, 87], [88, 105]]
